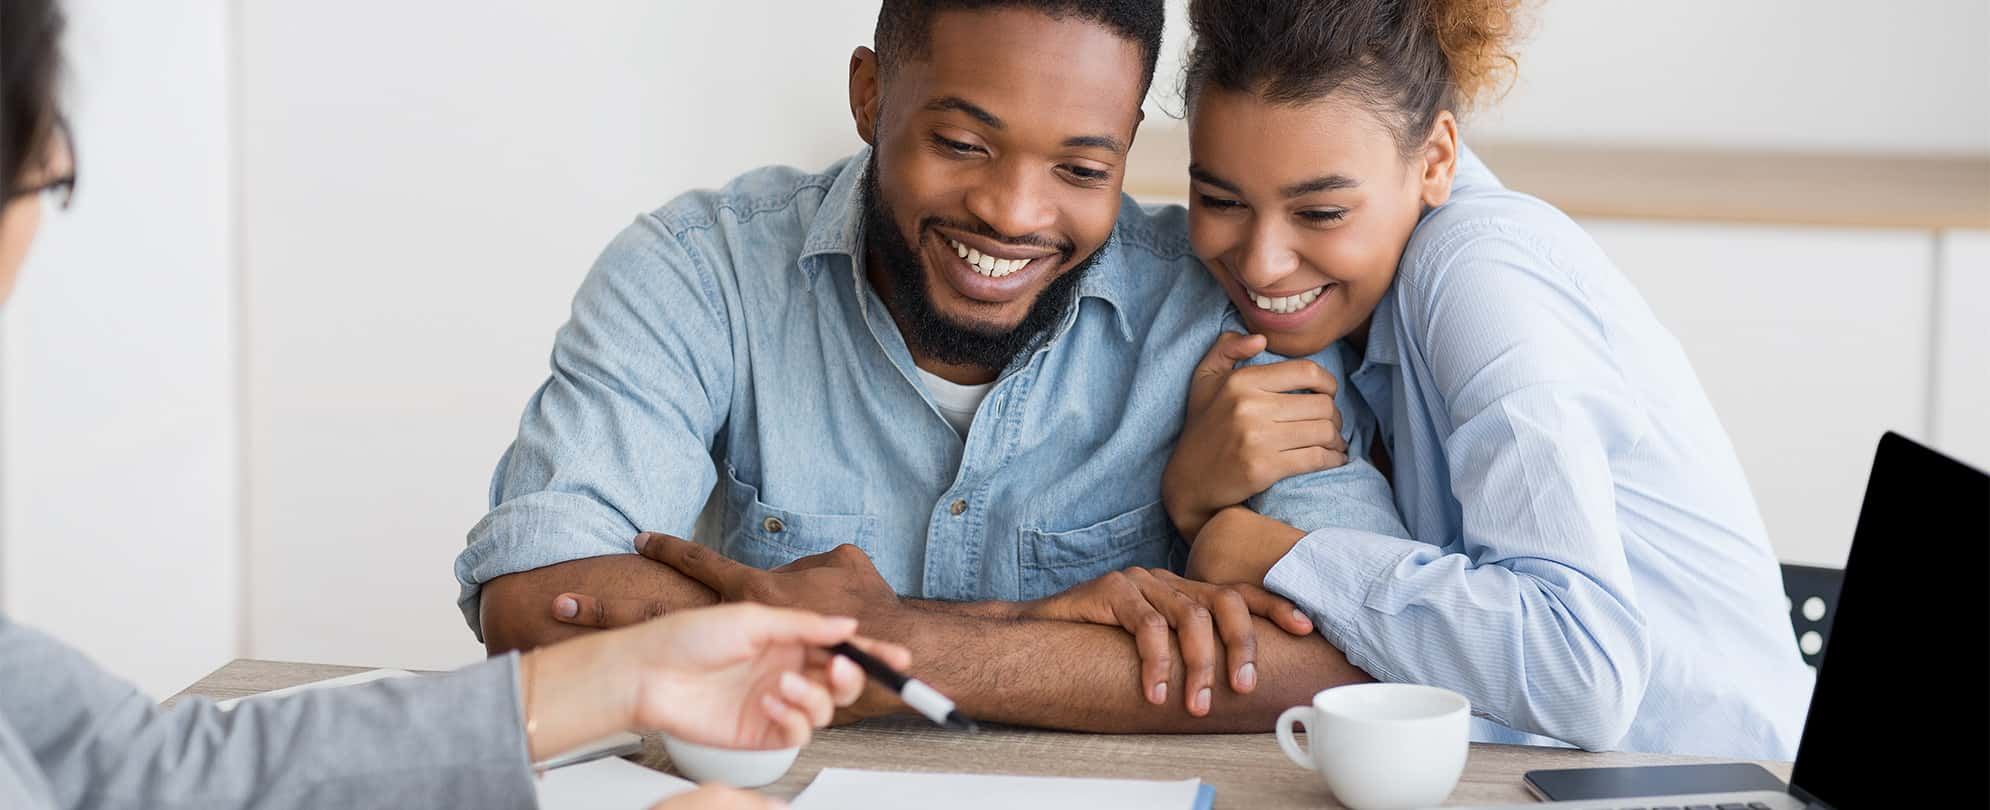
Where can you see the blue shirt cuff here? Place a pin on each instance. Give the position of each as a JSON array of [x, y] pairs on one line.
[[534, 531], [1328, 574]]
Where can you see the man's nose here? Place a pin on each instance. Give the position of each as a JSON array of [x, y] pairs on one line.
[[1013, 199]]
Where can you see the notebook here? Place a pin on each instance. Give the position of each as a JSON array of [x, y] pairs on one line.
[[845, 788]]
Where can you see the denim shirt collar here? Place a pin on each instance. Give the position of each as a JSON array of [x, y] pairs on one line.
[[838, 230]]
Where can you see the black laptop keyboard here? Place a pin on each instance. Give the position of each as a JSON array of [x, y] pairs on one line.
[[1734, 806]]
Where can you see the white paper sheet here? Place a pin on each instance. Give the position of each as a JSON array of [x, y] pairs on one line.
[[843, 788], [343, 680], [607, 784]]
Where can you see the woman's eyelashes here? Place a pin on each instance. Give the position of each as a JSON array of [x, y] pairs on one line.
[[1310, 216]]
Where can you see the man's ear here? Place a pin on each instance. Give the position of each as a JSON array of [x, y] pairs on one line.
[[864, 93], [1440, 159]]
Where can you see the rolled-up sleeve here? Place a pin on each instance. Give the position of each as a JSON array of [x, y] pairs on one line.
[[1530, 612], [618, 439]]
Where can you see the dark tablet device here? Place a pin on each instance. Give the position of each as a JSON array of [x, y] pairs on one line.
[[1654, 780]]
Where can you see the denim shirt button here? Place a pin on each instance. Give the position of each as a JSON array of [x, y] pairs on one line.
[[957, 508], [772, 524]]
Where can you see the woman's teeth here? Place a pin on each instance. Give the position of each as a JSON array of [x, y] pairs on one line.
[[1288, 304], [987, 265]]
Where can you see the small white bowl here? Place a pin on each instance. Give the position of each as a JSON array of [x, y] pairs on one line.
[[729, 766]]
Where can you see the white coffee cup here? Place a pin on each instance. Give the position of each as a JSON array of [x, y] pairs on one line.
[[1382, 746], [729, 766]]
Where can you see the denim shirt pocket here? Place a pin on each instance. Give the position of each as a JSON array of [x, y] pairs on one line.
[[1053, 561], [765, 536]]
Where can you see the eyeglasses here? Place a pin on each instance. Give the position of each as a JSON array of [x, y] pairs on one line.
[[62, 188]]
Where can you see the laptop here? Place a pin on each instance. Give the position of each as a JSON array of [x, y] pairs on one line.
[[1901, 712]]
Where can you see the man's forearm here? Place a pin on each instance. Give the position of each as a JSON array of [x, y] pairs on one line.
[[1086, 677], [517, 608]]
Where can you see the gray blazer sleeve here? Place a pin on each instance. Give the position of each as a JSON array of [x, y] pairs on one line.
[[451, 740]]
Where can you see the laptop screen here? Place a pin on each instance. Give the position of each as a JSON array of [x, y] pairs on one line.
[[1902, 706]]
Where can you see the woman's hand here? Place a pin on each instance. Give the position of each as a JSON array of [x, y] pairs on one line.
[[719, 797], [1243, 432], [1153, 603], [733, 676], [1239, 546]]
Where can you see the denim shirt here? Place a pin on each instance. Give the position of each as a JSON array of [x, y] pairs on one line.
[[728, 343], [1589, 564]]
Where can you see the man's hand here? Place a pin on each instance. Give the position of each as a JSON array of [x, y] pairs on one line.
[[1150, 602], [1243, 432]]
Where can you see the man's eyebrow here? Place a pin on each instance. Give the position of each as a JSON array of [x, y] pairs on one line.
[[1329, 182], [1106, 142], [1202, 175], [958, 104]]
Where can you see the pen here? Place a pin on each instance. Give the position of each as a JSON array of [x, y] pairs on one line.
[[926, 700]]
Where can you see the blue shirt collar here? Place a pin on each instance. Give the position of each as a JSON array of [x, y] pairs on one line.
[[838, 230]]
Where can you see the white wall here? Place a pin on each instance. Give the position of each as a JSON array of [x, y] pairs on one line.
[[1903, 76], [118, 454], [417, 221]]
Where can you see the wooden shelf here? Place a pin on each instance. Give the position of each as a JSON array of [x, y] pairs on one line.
[[1857, 190]]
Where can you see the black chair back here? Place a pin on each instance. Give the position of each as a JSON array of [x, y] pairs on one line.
[[1813, 593]]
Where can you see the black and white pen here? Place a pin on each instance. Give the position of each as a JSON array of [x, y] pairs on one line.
[[922, 698]]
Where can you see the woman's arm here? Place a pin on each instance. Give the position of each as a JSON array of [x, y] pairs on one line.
[[1530, 610], [441, 741], [741, 676]]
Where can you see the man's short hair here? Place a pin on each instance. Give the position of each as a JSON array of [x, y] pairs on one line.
[[905, 26]]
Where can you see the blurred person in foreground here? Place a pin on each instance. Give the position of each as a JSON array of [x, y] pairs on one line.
[[74, 736]]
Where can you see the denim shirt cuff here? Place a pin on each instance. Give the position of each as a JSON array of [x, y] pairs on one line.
[[1328, 573], [534, 531]]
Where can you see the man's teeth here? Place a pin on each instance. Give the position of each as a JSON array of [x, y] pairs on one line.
[[1288, 304], [985, 264]]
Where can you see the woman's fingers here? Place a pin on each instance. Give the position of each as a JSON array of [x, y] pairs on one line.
[[792, 722], [812, 698], [719, 797]]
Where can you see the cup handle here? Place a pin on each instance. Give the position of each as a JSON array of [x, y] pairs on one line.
[[1302, 714]]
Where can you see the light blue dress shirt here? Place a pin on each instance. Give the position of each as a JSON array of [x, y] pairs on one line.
[[1589, 564], [727, 344]]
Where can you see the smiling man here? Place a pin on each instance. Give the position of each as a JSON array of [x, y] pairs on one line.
[[933, 386]]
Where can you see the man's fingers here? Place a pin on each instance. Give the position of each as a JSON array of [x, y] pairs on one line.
[[1278, 609], [1153, 639], [1240, 641], [1289, 375], [1195, 632], [606, 614], [694, 561]]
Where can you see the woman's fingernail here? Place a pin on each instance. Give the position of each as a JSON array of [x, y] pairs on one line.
[[1202, 700], [1247, 675], [565, 607]]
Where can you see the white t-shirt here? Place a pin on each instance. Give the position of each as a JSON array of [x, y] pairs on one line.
[[957, 402]]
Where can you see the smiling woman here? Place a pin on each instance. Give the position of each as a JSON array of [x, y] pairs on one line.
[[1582, 534]]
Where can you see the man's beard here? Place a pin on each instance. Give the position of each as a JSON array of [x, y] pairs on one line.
[[929, 332]]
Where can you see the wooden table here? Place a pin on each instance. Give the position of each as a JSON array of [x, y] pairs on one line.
[[1247, 770]]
